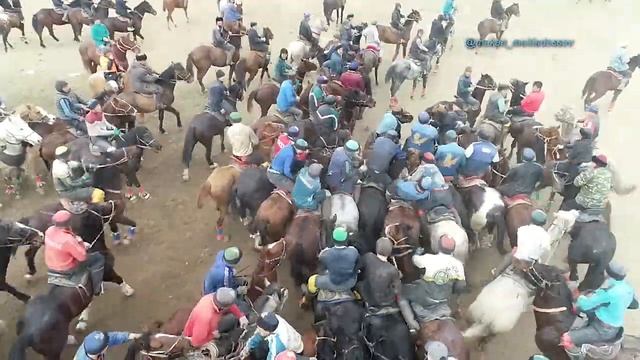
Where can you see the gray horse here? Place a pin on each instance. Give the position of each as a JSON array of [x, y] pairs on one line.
[[407, 69]]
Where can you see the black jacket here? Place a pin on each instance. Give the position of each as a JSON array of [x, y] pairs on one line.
[[522, 179]]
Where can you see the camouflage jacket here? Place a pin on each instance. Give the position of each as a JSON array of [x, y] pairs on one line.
[[594, 185]]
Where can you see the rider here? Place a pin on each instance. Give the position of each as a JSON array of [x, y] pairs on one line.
[[396, 18], [124, 11], [448, 9], [108, 65], [480, 155], [220, 39], [100, 35], [217, 92], [418, 51], [99, 129], [287, 99], [307, 193], [595, 182], [202, 325], [61, 7], [352, 78], [341, 263], [372, 38], [326, 119], [437, 30], [620, 63], [143, 79], [223, 273], [65, 253], [497, 105], [96, 344], [70, 106], [231, 12], [342, 173], [304, 31], [605, 309], [283, 69], [384, 151], [285, 165], [450, 157], [334, 63], [346, 34], [498, 13], [439, 194], [285, 139], [443, 278], [591, 120], [241, 137], [317, 94], [67, 183], [465, 87], [389, 122], [423, 136], [522, 179], [531, 103], [409, 190], [258, 43], [266, 332]]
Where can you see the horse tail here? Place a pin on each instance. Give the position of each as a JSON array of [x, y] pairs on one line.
[[588, 87], [389, 75], [36, 24], [19, 348], [251, 99], [496, 216], [189, 144], [262, 229], [190, 63], [205, 190], [235, 204]]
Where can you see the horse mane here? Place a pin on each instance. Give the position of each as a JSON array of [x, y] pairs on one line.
[[555, 276]]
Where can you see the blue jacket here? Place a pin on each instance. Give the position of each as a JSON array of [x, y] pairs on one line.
[[220, 275], [334, 64], [285, 162], [121, 8], [115, 338], [383, 152], [480, 155], [286, 96], [389, 122], [448, 7], [464, 83], [307, 192], [216, 95], [619, 60], [450, 159], [341, 176], [341, 263], [231, 13], [68, 107], [274, 343], [423, 138], [408, 191], [609, 303]]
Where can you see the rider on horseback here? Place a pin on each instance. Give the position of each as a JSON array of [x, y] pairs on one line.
[[498, 13], [342, 173], [241, 137], [396, 18], [372, 39], [124, 11], [232, 12], [317, 94], [341, 263], [465, 87], [285, 165], [70, 106], [443, 277], [61, 7], [384, 151], [605, 309], [448, 9], [304, 32], [531, 103], [143, 80], [419, 52], [326, 119], [522, 179], [307, 193], [352, 78], [67, 182], [222, 273], [581, 150], [497, 106], [423, 136], [346, 35], [409, 190], [439, 193], [437, 32], [591, 120], [66, 255], [450, 157], [595, 182], [217, 92], [389, 120], [285, 139], [265, 332], [287, 99], [100, 35], [109, 67], [334, 64], [99, 129], [619, 63], [480, 155], [283, 69], [220, 39], [96, 344], [258, 43]]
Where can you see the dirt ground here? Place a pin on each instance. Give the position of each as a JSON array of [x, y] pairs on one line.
[[176, 242]]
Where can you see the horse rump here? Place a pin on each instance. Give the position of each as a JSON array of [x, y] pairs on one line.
[[205, 191]]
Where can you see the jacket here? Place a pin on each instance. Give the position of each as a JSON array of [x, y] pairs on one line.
[[464, 87], [581, 151], [220, 275], [282, 70], [533, 243], [380, 284], [346, 31], [371, 35], [115, 338], [291, 338], [287, 97], [274, 344], [352, 80], [522, 179], [231, 13], [595, 185], [389, 122], [63, 179], [496, 107], [217, 92], [497, 10], [121, 8], [619, 60], [443, 275], [69, 106], [437, 31], [423, 138], [107, 65], [450, 159], [480, 155], [304, 31], [97, 125], [316, 98], [383, 152], [204, 320], [592, 122], [282, 141], [334, 64], [609, 303], [448, 7], [63, 249], [98, 33], [242, 139], [531, 103], [285, 162], [417, 51], [325, 120], [341, 263], [143, 79], [257, 42], [307, 193], [341, 175], [432, 172], [408, 191], [219, 37], [396, 18]]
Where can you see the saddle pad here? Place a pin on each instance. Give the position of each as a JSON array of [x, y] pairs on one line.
[[77, 280], [614, 73], [398, 203], [440, 214], [284, 194], [122, 18], [303, 212], [469, 182], [516, 200]]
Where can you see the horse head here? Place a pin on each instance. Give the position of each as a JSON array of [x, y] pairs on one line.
[[518, 87], [306, 66], [486, 81], [551, 285], [413, 159], [414, 15], [18, 234], [236, 92], [145, 138], [466, 135], [355, 97], [145, 8], [634, 63], [14, 130], [176, 71], [513, 9], [34, 113], [267, 33]]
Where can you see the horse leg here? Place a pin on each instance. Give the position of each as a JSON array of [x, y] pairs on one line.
[[395, 55], [51, 33], [30, 256], [4, 40], [200, 76], [376, 73], [83, 319], [513, 146], [175, 112], [573, 271], [593, 278], [76, 31], [4, 286], [424, 86], [616, 93], [161, 119], [222, 211], [186, 15], [169, 20], [110, 275], [207, 153], [413, 88]]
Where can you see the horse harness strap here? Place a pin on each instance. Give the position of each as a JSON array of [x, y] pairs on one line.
[[550, 311], [284, 196]]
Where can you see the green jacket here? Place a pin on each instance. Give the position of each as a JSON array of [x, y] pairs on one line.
[[98, 33], [594, 185]]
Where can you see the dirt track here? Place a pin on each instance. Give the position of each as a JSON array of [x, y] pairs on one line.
[[176, 243]]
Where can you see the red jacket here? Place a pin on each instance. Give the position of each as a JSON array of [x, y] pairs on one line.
[[352, 80], [282, 141], [531, 103], [63, 250], [203, 320]]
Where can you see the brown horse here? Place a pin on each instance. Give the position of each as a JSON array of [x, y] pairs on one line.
[[46, 18], [402, 227], [518, 213], [272, 219], [91, 57], [491, 26], [170, 5], [601, 82], [206, 56], [545, 141], [116, 24], [268, 133], [13, 20], [266, 270], [304, 240], [389, 35], [370, 61], [267, 94], [445, 331], [218, 187], [254, 61]]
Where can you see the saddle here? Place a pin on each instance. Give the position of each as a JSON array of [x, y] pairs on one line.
[[600, 351], [284, 194], [440, 213], [466, 182], [374, 185], [516, 200], [325, 295], [591, 215], [123, 19], [373, 48], [77, 280], [615, 73]]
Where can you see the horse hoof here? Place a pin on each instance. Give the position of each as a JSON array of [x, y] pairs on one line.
[[185, 177], [40, 190], [28, 277], [82, 326], [71, 340], [126, 289], [144, 195], [213, 166]]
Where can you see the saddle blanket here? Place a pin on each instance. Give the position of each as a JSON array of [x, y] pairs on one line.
[[72, 281], [398, 203], [440, 213], [374, 49], [516, 200], [284, 194], [471, 181]]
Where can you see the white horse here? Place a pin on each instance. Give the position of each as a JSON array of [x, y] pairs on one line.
[[345, 209], [451, 228], [299, 49], [14, 132]]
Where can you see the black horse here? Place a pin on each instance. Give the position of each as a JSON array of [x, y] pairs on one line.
[[252, 188], [12, 236], [594, 244], [372, 206], [344, 324]]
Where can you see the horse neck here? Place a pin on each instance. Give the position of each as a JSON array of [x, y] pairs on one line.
[[168, 78], [478, 94], [68, 302]]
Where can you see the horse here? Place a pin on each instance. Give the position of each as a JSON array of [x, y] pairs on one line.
[[300, 50], [131, 103], [545, 141], [15, 136], [486, 211], [46, 18], [372, 204], [406, 69], [594, 244], [170, 5], [442, 221], [445, 331], [91, 57], [9, 20], [492, 26], [328, 6], [304, 241], [402, 227], [389, 35], [272, 218], [440, 109], [205, 56], [603, 81], [12, 236], [354, 103], [268, 133], [266, 271], [339, 336], [266, 94], [205, 126], [517, 214], [116, 24], [253, 62], [218, 187]]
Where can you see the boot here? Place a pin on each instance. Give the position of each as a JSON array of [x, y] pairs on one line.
[[65, 16]]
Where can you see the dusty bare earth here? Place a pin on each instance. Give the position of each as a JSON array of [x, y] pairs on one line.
[[177, 243]]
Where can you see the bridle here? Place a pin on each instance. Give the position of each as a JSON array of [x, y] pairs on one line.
[[277, 260], [555, 152], [543, 284], [120, 45], [398, 244]]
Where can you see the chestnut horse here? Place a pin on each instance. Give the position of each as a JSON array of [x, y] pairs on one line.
[[402, 227], [518, 213], [273, 218], [115, 24], [91, 57], [545, 141], [218, 187], [603, 81], [170, 5], [445, 331], [389, 35], [254, 61], [266, 270], [304, 241], [46, 18], [268, 133]]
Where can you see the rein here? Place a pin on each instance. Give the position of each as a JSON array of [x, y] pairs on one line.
[[125, 112], [555, 152], [277, 260], [398, 243], [102, 217]]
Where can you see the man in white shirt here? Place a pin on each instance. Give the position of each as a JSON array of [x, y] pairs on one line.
[[372, 38], [242, 138]]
